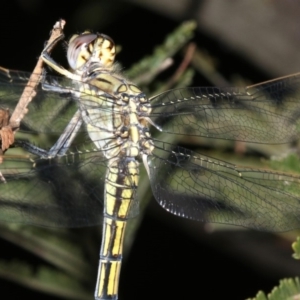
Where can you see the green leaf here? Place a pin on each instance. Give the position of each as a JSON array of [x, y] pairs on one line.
[[143, 72], [54, 246], [43, 279], [288, 289], [296, 248]]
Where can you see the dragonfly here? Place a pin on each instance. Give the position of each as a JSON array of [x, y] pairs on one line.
[[95, 130]]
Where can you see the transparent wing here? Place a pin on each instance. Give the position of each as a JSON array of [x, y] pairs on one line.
[[51, 110], [202, 188], [264, 113], [65, 190], [68, 190]]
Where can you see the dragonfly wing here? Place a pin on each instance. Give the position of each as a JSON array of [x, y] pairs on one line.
[[65, 191], [265, 113], [201, 188], [43, 108], [60, 185]]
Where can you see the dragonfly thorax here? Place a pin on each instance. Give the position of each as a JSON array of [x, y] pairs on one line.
[[116, 114]]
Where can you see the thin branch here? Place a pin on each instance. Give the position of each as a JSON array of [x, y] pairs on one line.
[[181, 69], [8, 126], [29, 91], [184, 64]]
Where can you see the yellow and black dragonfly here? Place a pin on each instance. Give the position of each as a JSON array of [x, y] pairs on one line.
[[95, 129]]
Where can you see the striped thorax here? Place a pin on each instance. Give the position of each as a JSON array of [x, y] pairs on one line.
[[121, 129]]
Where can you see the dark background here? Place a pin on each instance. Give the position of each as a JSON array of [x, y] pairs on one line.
[[173, 258]]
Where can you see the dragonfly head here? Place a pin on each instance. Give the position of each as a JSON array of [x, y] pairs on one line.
[[90, 47]]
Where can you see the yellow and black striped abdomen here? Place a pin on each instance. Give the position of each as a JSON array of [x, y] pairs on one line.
[[121, 184]]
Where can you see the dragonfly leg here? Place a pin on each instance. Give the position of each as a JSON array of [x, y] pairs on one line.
[[32, 148], [67, 137], [62, 144], [70, 132], [55, 87], [52, 63]]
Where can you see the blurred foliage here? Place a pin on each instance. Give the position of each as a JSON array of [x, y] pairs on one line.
[[144, 72], [44, 279], [288, 289], [296, 248]]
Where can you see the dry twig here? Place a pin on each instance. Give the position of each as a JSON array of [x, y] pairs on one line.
[[29, 91], [9, 125]]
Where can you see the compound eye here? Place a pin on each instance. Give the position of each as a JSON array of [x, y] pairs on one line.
[[80, 49], [105, 50]]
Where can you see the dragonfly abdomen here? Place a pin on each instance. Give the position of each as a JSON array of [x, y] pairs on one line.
[[121, 184]]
